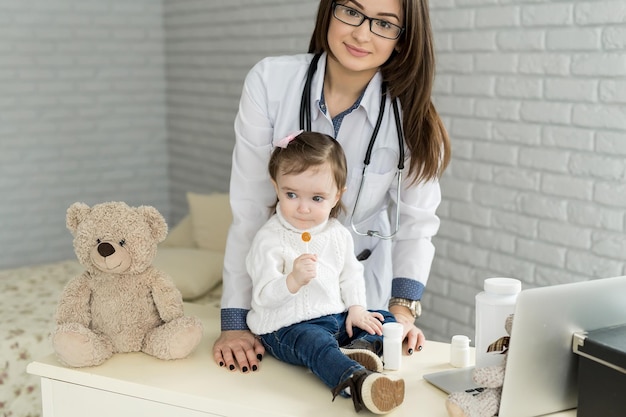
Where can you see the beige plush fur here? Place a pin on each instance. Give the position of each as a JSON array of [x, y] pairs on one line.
[[120, 303], [486, 403]]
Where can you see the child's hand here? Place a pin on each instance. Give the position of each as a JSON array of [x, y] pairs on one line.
[[304, 270], [369, 321]]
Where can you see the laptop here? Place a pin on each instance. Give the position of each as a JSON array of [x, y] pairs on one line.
[[541, 371]]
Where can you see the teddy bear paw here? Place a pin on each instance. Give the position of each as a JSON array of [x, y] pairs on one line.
[[454, 409], [77, 346], [463, 404], [175, 339]]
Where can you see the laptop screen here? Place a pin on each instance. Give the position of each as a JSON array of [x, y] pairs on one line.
[[541, 371]]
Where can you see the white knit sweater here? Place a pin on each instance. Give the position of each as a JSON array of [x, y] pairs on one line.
[[338, 285]]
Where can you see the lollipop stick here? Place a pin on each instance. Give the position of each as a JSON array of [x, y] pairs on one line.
[[306, 237]]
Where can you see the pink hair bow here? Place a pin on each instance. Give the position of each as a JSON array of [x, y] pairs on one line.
[[282, 143]]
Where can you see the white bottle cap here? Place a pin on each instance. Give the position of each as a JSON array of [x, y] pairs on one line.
[[503, 286], [392, 330], [460, 341]]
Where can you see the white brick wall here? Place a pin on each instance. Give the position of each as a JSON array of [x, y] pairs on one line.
[[532, 93], [210, 47], [82, 108]]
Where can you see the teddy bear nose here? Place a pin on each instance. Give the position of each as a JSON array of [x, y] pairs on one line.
[[106, 249]]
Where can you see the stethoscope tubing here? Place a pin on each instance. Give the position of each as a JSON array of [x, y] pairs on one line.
[[305, 124]]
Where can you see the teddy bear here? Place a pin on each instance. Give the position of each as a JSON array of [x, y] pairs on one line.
[[487, 402], [120, 302]]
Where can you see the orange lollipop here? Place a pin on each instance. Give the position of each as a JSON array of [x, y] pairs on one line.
[[306, 237]]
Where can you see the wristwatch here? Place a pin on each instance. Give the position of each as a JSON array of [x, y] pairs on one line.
[[414, 306]]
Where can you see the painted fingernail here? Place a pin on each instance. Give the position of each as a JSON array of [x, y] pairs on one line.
[[419, 347], [410, 351], [259, 357], [221, 363], [231, 367], [244, 369], [254, 368]]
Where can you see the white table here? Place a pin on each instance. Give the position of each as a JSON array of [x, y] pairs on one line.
[[136, 384]]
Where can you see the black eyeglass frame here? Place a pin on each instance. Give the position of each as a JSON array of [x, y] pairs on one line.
[[363, 19]]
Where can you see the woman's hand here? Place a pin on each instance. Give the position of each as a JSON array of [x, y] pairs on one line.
[[413, 336], [238, 348], [369, 321]]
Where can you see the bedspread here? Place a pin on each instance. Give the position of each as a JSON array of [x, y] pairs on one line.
[[28, 300]]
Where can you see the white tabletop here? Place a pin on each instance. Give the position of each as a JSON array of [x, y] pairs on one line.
[[276, 389]]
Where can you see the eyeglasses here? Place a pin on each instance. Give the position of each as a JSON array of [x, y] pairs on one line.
[[353, 17]]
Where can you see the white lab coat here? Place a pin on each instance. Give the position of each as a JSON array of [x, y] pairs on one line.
[[269, 109]]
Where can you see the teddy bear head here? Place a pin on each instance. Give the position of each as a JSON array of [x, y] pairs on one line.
[[115, 238]]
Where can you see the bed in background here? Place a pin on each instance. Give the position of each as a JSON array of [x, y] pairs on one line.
[[28, 298], [192, 255]]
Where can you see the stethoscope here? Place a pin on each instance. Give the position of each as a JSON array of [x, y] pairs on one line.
[[305, 124]]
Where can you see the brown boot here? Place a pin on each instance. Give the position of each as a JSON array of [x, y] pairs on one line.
[[365, 353], [377, 392]]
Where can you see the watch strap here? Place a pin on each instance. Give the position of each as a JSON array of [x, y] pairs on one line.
[[414, 306]]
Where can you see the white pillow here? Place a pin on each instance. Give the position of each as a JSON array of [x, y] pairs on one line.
[[210, 217], [194, 271]]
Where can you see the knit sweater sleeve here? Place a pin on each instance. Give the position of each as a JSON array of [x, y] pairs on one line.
[[266, 266]]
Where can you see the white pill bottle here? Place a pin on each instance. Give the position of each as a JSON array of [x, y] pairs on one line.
[[460, 351], [493, 306], [392, 345]]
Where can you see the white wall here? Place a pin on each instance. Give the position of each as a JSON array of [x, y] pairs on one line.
[[534, 96], [82, 106], [210, 47]]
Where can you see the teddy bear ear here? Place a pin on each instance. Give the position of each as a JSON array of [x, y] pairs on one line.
[[156, 222], [76, 213]]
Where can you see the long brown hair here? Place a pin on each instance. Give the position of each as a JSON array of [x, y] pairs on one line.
[[409, 73], [311, 149]]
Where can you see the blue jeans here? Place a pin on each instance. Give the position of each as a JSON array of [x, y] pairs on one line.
[[315, 344]]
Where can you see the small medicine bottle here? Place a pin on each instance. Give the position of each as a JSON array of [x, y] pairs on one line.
[[493, 306], [392, 345], [460, 351]]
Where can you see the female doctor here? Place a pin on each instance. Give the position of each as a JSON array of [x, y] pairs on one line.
[[366, 82]]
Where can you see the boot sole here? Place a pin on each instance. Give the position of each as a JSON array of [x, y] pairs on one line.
[[381, 394], [367, 358]]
